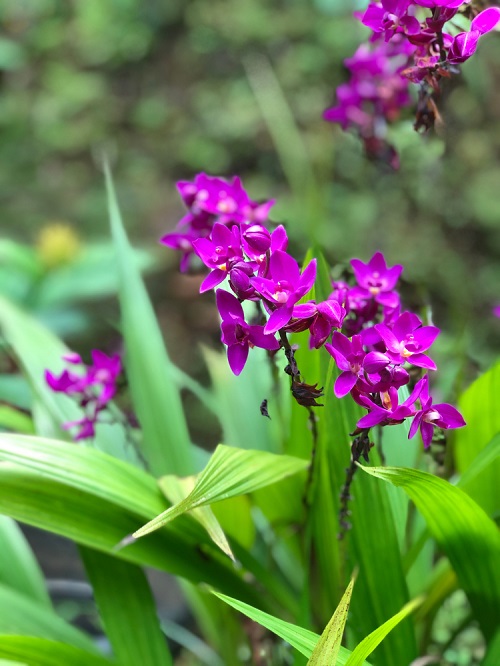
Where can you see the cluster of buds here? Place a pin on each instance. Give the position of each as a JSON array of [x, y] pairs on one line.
[[373, 343], [417, 41], [92, 387]]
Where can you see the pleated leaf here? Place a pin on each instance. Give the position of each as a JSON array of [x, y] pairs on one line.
[[21, 615], [464, 532], [368, 645], [127, 610], [301, 639], [42, 652], [157, 403], [176, 489], [328, 647], [94, 499], [230, 472]]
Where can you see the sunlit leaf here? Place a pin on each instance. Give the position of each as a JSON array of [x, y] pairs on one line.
[[42, 652], [327, 648], [368, 645], [230, 472], [463, 531], [301, 639], [166, 443], [176, 489]]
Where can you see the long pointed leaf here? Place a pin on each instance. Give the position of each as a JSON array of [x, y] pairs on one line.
[[166, 442], [127, 610], [42, 652], [230, 472], [463, 531]]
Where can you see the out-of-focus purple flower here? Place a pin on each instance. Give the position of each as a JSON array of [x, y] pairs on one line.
[[349, 356], [390, 17], [319, 318], [376, 281], [496, 311], [441, 415], [284, 287], [451, 4], [408, 339], [237, 334], [92, 387]]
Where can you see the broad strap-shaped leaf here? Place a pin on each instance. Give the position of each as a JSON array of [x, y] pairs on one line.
[[43, 652], [464, 532], [94, 499], [21, 615], [15, 420], [127, 610], [176, 489], [301, 639], [166, 443], [230, 472], [328, 647], [368, 645], [479, 406], [18, 566]]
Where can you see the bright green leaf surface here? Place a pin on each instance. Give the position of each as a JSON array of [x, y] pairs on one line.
[[166, 442], [479, 406], [127, 610], [21, 615], [13, 419], [464, 532], [301, 639], [41, 652], [230, 472], [19, 569], [328, 647], [368, 645]]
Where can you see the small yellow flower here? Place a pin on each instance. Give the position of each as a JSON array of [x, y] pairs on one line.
[[57, 244]]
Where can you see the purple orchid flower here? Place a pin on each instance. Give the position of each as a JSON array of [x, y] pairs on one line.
[[496, 311], [441, 415], [408, 339], [349, 356], [285, 286], [390, 412], [93, 387], [237, 334], [319, 318], [218, 252], [377, 281], [390, 17]]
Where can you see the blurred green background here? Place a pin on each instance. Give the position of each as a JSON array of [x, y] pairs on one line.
[[168, 88]]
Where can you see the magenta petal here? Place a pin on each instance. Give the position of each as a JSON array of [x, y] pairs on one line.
[[304, 310], [279, 239], [278, 319], [237, 357], [214, 278], [390, 340], [260, 339], [320, 329], [486, 20], [344, 383], [228, 305], [340, 360], [449, 416], [427, 432], [414, 425], [422, 361], [425, 336], [372, 418], [284, 267], [375, 362]]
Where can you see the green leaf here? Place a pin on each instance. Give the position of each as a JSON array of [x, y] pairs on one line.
[[479, 406], [19, 569], [94, 499], [13, 419], [301, 639], [127, 610], [463, 531], [368, 645], [328, 647], [492, 657], [157, 403], [176, 490], [484, 461], [21, 615], [42, 652], [230, 472]]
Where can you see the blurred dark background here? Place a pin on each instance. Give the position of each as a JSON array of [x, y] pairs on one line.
[[170, 88]]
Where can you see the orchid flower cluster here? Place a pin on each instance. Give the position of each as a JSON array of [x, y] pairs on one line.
[[412, 41], [92, 387], [372, 341]]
